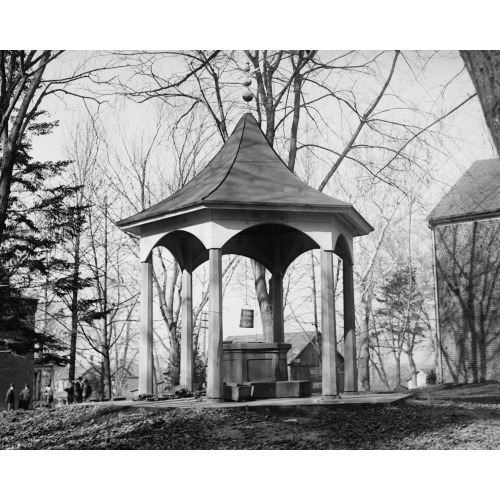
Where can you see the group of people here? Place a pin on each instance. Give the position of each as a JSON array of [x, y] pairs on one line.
[[78, 392], [24, 398]]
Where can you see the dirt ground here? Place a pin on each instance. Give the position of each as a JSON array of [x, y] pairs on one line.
[[439, 417]]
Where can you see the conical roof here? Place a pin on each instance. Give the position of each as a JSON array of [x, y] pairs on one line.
[[246, 171]]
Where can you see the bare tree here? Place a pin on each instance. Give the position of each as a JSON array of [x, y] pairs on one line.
[[367, 287], [27, 78], [378, 132], [84, 150]]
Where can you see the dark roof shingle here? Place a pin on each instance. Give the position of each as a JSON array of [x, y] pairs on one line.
[[476, 194]]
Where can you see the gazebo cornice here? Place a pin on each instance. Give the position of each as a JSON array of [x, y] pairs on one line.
[[347, 213]]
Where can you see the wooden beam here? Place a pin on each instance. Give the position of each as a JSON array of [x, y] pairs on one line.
[[214, 372], [146, 329], [328, 327]]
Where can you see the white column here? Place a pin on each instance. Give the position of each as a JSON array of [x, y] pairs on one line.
[[146, 329], [328, 327], [187, 323], [277, 296], [350, 364], [214, 369]]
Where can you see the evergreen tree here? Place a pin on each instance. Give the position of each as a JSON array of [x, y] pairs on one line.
[[40, 217]]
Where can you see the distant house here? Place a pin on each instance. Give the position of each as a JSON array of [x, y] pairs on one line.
[[303, 359], [57, 377], [466, 242], [421, 380]]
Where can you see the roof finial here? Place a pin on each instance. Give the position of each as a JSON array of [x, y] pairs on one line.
[[247, 94]]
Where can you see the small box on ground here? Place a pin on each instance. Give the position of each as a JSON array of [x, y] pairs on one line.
[[236, 392], [293, 389], [263, 390]]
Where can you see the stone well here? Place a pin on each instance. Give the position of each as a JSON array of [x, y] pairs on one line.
[[254, 362]]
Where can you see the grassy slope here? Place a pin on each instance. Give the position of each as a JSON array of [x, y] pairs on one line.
[[444, 417]]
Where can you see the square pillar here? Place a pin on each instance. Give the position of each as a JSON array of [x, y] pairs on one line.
[[350, 363], [186, 377], [277, 296], [214, 369], [328, 327], [146, 329]]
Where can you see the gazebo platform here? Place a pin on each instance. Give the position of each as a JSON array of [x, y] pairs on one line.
[[359, 399]]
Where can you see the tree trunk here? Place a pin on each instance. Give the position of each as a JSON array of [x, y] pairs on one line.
[[364, 340], [7, 166], [381, 375], [74, 310], [317, 339], [106, 368], [484, 69], [174, 356], [413, 368], [101, 380], [292, 155], [398, 371], [264, 300]]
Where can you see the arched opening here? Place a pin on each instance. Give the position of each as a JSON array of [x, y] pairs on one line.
[[342, 248], [295, 257], [176, 351], [187, 249], [270, 244]]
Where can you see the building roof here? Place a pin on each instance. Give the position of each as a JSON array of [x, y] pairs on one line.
[[246, 171], [475, 195], [298, 340], [63, 372]]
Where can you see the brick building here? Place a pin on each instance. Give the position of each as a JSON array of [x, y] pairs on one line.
[[16, 350], [17, 370], [465, 227]]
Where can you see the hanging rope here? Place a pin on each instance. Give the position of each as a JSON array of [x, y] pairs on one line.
[[247, 313]]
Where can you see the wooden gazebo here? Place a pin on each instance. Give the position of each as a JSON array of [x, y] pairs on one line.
[[247, 202]]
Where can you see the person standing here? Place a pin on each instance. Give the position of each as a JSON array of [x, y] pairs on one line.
[[70, 390], [86, 391], [77, 390], [10, 398], [24, 398], [48, 395]]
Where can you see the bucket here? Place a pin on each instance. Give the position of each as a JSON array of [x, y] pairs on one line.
[[246, 318]]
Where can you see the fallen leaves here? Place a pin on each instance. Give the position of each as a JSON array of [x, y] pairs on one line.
[[432, 422]]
